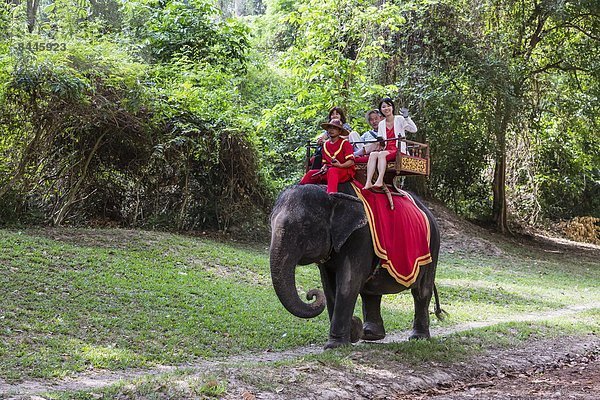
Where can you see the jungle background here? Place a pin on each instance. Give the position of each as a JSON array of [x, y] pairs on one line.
[[192, 115]]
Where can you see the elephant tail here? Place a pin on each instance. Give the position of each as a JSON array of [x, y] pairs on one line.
[[439, 313]]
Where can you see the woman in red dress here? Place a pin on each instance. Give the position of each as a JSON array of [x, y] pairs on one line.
[[391, 127]]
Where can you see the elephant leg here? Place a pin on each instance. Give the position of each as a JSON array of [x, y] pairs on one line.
[[341, 323], [346, 295], [356, 331], [373, 328], [328, 280], [421, 322]]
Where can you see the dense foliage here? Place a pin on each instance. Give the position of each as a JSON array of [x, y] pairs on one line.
[[134, 122], [506, 93], [191, 114]]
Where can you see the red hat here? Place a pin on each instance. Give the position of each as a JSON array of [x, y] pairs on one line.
[[336, 123]]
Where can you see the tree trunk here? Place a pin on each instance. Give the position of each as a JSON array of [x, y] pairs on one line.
[[185, 194], [29, 150], [499, 189], [499, 214], [32, 9]]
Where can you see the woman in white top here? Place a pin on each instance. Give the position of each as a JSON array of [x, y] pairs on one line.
[[392, 126]]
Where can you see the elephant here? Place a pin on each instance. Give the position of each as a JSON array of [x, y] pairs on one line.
[[309, 226]]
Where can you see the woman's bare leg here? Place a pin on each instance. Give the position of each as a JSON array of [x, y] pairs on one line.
[[381, 167], [371, 165]]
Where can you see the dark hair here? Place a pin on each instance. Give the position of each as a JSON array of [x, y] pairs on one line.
[[389, 101], [339, 111]]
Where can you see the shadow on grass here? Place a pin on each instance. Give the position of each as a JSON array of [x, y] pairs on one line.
[[495, 296]]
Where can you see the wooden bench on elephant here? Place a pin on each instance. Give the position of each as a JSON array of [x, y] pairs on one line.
[[416, 162]]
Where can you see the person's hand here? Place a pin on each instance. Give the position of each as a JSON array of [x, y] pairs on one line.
[[319, 172], [320, 140], [404, 112], [335, 162]]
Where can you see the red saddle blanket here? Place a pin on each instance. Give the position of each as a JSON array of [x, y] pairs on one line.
[[400, 236]]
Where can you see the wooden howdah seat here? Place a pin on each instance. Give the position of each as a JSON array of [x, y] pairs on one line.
[[416, 162]]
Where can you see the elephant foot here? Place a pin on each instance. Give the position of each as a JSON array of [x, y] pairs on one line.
[[356, 329], [373, 331], [417, 335], [335, 343]]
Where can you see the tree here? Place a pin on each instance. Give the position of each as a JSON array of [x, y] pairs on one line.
[[501, 54], [532, 39]]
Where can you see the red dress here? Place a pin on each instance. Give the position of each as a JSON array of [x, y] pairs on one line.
[[392, 145], [342, 151]]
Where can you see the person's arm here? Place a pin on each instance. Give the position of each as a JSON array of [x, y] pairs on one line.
[[366, 137], [322, 138], [346, 164], [381, 136], [409, 125], [324, 168], [355, 139], [400, 126], [381, 129]]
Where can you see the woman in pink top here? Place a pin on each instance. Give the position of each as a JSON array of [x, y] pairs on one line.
[[391, 127]]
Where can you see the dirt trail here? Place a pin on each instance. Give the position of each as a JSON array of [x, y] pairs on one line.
[[574, 377], [337, 381]]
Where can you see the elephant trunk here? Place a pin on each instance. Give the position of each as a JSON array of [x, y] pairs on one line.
[[283, 274]]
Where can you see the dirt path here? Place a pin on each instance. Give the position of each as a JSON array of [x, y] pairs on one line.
[[369, 383], [574, 377], [394, 380]]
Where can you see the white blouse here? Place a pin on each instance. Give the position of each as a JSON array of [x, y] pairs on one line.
[[401, 125]]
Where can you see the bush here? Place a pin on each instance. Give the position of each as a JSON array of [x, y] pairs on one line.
[[99, 136]]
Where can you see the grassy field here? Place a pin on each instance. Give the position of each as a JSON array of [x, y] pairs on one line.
[[74, 300]]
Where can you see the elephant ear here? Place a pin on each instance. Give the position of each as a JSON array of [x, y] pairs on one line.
[[347, 216]]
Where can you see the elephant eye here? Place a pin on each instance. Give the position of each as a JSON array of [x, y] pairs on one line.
[[306, 224]]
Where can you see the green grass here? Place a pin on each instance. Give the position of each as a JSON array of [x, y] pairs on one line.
[[79, 299], [69, 307], [476, 288], [175, 385]]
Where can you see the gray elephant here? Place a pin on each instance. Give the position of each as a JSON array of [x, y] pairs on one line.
[[310, 226]]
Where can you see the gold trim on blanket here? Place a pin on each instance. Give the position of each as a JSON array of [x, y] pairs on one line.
[[382, 254]]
